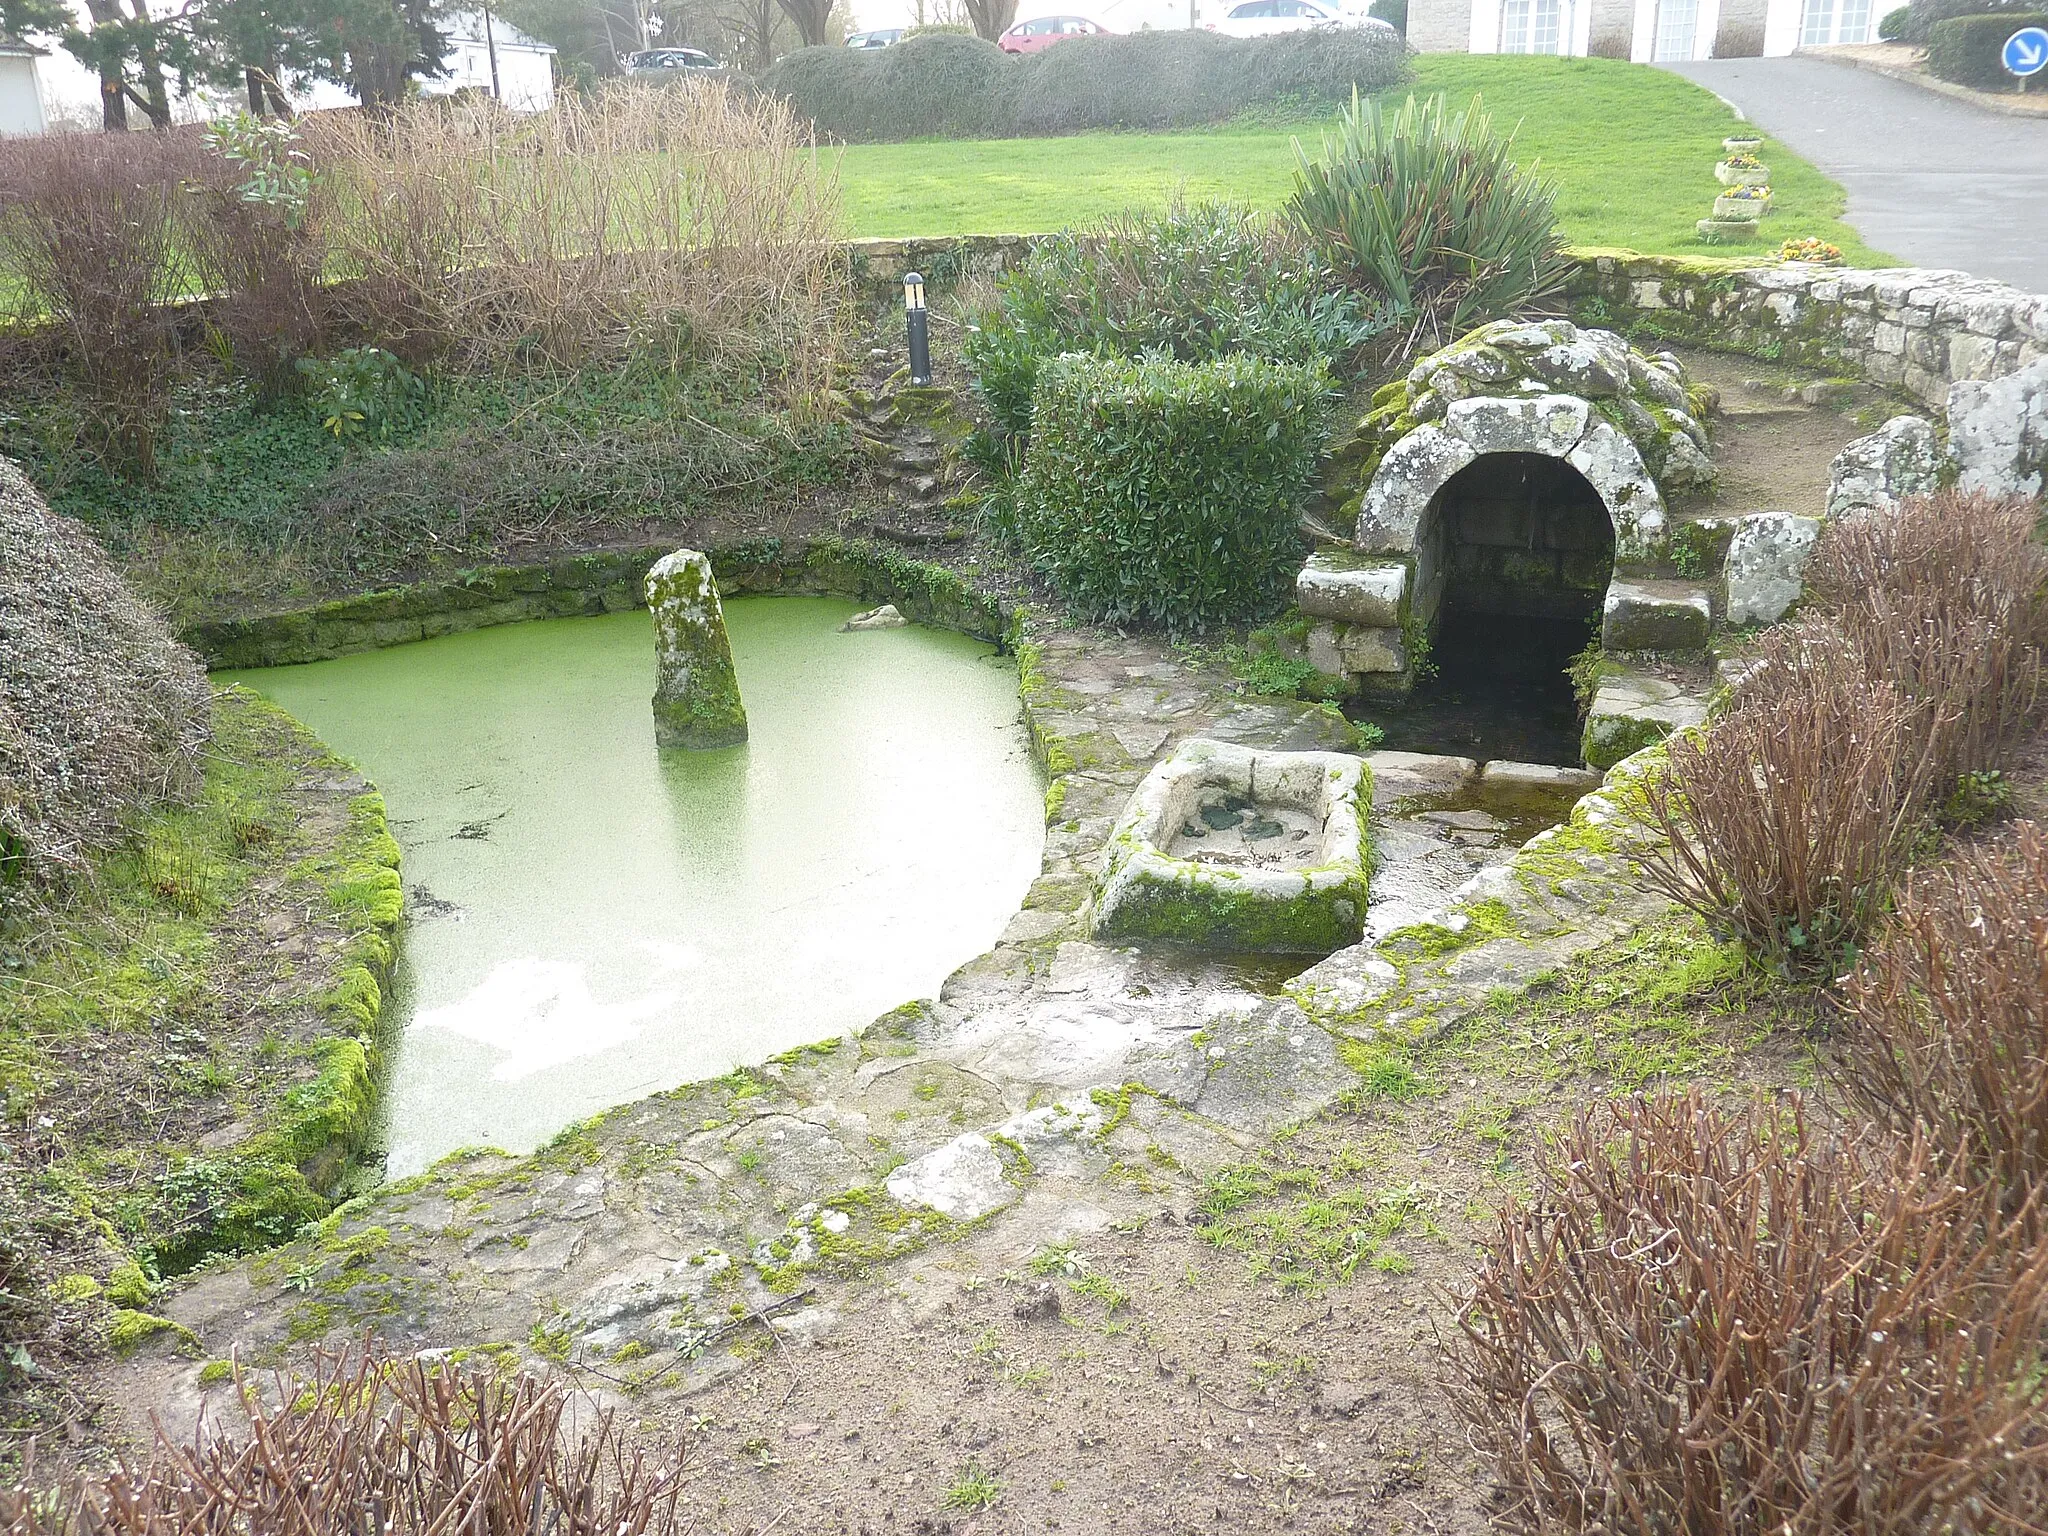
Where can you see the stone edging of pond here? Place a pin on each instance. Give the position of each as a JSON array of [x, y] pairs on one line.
[[1044, 1071]]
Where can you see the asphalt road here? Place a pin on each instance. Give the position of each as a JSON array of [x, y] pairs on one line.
[[1935, 182]]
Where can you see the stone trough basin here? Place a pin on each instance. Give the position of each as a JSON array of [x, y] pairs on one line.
[[1229, 848]]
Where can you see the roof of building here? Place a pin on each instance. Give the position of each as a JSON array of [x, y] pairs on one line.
[[468, 27]]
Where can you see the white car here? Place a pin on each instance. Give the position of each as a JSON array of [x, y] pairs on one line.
[[1265, 18]]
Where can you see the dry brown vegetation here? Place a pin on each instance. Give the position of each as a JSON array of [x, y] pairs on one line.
[[1737, 1323], [1788, 822], [693, 223], [694, 226], [370, 1444], [1946, 1026], [101, 711]]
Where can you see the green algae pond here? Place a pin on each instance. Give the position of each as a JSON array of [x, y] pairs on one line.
[[589, 921]]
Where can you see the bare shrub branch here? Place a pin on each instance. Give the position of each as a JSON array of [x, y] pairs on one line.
[[370, 1444], [691, 224], [1786, 822], [89, 230], [1947, 1021], [1947, 598], [1731, 1324]]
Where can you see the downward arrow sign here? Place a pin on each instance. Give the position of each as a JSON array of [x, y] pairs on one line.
[[2029, 53]]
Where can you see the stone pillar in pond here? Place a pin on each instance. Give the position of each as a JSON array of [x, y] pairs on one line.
[[696, 693]]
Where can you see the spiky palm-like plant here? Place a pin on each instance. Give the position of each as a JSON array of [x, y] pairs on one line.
[[1427, 209]]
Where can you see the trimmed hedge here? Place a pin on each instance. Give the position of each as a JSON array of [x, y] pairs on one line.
[[1190, 283], [1165, 494], [964, 88], [1923, 15], [1969, 49], [1893, 28]]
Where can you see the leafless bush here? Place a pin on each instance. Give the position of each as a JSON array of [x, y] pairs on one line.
[[256, 225], [1946, 597], [691, 223], [88, 233], [1731, 1324], [1947, 1021], [101, 711], [1787, 821], [376, 1445]]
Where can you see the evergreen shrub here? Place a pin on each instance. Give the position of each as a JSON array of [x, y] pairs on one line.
[[1429, 209], [1191, 283], [1921, 15], [1970, 49], [1893, 28], [1165, 494], [963, 88]]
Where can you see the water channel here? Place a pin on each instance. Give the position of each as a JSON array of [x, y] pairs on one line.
[[590, 921]]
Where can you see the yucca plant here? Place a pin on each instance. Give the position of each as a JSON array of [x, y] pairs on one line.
[[1427, 209]]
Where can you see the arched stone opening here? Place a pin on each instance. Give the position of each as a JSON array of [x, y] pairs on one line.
[[1517, 535], [1522, 550]]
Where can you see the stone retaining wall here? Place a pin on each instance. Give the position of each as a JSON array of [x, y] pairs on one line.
[[1919, 329], [1915, 328]]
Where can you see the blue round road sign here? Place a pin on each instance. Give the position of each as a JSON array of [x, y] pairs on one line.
[[2026, 52]]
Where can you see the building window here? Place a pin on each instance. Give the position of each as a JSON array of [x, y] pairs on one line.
[[1530, 26], [1677, 26], [1817, 27]]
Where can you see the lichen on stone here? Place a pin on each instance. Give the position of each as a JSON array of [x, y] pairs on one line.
[[697, 693]]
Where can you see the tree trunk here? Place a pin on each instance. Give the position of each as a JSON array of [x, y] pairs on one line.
[[991, 18], [113, 85], [812, 19], [154, 98]]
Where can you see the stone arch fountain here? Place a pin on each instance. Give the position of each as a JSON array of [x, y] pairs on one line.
[[1490, 466]]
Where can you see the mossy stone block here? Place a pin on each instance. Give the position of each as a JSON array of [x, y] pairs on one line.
[[696, 694]]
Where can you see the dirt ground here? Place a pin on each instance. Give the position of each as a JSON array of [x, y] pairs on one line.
[[1212, 1366]]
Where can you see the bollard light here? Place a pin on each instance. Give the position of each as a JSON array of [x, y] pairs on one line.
[[920, 337]]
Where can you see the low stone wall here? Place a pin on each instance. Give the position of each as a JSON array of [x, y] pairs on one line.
[[609, 582], [943, 262], [1918, 329]]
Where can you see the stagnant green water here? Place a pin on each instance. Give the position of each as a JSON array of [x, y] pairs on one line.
[[590, 921]]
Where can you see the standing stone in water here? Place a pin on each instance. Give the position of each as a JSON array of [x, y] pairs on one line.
[[696, 695]]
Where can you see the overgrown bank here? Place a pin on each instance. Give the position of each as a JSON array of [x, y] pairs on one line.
[[189, 1047]]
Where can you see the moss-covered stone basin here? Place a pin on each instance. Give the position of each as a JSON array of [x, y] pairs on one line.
[[1231, 848], [590, 921]]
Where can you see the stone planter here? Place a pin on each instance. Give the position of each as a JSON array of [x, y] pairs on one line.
[[1741, 207], [1726, 231], [1741, 144], [1231, 849], [1742, 175]]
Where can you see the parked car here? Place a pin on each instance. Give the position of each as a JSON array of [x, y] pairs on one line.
[[1044, 31], [655, 61], [1265, 18], [880, 37]]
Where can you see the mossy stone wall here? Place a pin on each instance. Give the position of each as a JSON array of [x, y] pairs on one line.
[[611, 582]]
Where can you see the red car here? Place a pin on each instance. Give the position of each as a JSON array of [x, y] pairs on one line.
[[1044, 31]]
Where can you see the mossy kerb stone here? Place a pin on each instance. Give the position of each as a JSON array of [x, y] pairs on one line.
[[1229, 848], [696, 692]]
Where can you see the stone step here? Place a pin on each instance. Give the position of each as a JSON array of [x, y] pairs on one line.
[[1656, 616], [1632, 709]]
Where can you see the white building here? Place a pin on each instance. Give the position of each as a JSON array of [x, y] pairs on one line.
[[47, 89], [1644, 30], [489, 54], [21, 96]]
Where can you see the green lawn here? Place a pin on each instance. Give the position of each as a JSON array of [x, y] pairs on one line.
[[1633, 146]]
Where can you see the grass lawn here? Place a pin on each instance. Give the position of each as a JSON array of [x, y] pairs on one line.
[[1633, 146]]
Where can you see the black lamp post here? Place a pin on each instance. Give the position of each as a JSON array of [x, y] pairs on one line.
[[920, 337]]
